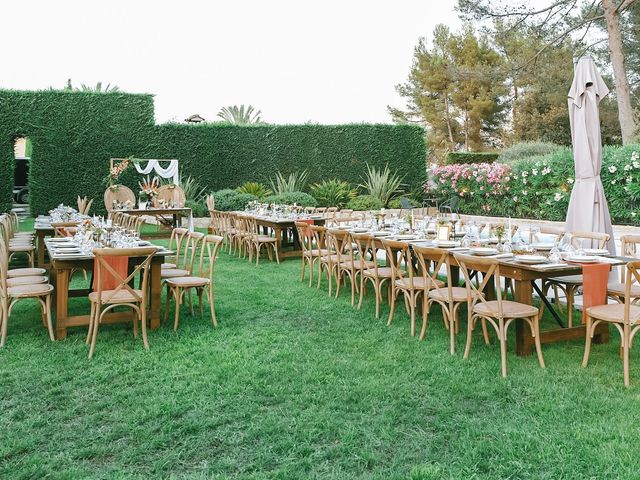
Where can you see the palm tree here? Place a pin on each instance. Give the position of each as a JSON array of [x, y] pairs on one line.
[[239, 115]]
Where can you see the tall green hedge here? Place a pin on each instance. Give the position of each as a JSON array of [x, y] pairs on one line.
[[75, 133]]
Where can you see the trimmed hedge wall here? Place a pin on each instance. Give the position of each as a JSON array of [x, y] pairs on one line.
[[470, 157], [75, 133]]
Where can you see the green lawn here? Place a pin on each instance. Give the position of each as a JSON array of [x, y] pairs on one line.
[[294, 384]]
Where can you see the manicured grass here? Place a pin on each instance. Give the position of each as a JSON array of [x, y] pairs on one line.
[[294, 384]]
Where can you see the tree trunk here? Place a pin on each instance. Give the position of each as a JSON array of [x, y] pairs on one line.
[[446, 104], [466, 130], [623, 97]]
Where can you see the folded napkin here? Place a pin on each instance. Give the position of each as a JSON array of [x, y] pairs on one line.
[[549, 265]]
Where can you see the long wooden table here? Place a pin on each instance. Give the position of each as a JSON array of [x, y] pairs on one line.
[[285, 232], [169, 218], [524, 277], [61, 269]]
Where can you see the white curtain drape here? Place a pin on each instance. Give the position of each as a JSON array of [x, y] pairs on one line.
[[154, 165]]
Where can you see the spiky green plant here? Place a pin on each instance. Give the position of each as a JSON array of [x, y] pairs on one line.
[[382, 184], [192, 189], [332, 193], [295, 182], [240, 115], [254, 188]]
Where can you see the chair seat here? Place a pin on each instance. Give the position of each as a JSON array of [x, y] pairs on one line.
[[168, 265], [32, 280], [359, 265], [21, 248], [568, 280], [619, 289], [188, 281], [417, 283], [383, 272], [25, 272], [319, 252], [173, 272], [30, 290], [264, 239], [458, 294], [122, 296], [331, 258], [509, 309], [614, 313]]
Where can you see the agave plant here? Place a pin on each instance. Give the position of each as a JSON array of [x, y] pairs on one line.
[[240, 115], [295, 182], [98, 88], [382, 184], [254, 188], [332, 193], [192, 189]]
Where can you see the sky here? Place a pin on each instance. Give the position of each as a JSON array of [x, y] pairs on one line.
[[297, 61]]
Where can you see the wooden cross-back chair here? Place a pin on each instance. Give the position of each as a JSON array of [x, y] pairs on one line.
[[625, 317], [191, 241], [345, 266], [322, 250], [175, 243], [203, 282], [310, 255], [629, 247], [378, 276], [16, 244], [403, 279], [123, 295], [172, 195], [18, 287], [256, 241], [499, 313], [448, 297]]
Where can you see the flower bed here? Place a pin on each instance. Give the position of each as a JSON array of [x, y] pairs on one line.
[[537, 187]]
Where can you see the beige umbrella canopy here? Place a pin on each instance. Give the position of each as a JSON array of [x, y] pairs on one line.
[[588, 209]]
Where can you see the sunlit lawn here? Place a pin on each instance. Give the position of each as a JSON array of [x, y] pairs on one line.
[[294, 384]]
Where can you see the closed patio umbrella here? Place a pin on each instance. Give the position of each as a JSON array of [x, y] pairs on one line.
[[588, 209]]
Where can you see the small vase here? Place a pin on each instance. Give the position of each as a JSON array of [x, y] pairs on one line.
[[142, 205]]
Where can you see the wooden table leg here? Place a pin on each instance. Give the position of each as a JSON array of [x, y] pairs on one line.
[[62, 301], [156, 293], [41, 248], [524, 341], [278, 232]]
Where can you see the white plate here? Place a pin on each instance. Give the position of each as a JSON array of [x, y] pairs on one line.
[[530, 259], [542, 246], [446, 243], [483, 251], [583, 259], [381, 234], [359, 230], [405, 237], [143, 243], [596, 251]]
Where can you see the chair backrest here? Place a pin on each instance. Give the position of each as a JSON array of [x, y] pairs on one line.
[[176, 242], [173, 195], [633, 277], [321, 209], [587, 239], [339, 242], [319, 236], [191, 250], [210, 245], [64, 229], [426, 257], [305, 236], [365, 245], [399, 258], [490, 268], [119, 194], [105, 269], [629, 247], [211, 202]]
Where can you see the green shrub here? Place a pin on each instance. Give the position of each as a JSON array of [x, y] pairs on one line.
[[523, 150], [365, 202], [199, 208], [332, 193], [395, 203], [299, 198], [470, 157], [229, 200], [382, 184], [254, 188]]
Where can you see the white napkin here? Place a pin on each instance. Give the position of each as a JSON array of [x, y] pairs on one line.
[[550, 265]]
